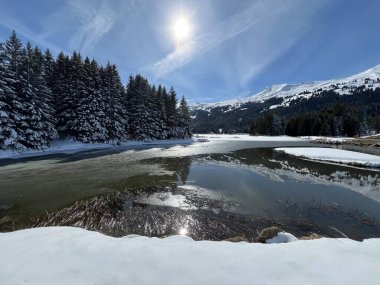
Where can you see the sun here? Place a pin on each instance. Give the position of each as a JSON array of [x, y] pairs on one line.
[[181, 29]]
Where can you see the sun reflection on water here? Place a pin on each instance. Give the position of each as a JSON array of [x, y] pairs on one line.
[[183, 231]]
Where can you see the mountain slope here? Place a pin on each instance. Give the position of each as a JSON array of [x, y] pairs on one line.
[[236, 114]]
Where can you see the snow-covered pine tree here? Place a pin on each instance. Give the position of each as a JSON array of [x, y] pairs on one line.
[[31, 119], [160, 117], [59, 85], [6, 93], [91, 115], [43, 118], [77, 90], [138, 110], [184, 127], [171, 112], [16, 58], [113, 96], [48, 65]]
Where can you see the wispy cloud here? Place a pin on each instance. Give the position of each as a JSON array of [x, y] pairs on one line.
[[92, 20], [96, 19], [274, 25], [225, 30]]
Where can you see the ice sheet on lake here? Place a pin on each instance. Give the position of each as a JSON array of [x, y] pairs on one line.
[[246, 137]]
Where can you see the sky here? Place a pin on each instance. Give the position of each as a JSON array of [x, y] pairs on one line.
[[232, 48]]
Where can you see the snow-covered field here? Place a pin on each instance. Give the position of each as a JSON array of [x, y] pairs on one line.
[[76, 256], [334, 155]]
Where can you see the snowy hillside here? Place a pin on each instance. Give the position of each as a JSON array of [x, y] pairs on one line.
[[289, 92]]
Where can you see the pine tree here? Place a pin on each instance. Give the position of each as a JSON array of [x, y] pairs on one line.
[[43, 121], [184, 119], [91, 111], [49, 65], [161, 116], [60, 90], [18, 62], [138, 90], [76, 90], [7, 92], [113, 93], [171, 112]]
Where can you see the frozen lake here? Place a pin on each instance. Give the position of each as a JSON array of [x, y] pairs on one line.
[[212, 190]]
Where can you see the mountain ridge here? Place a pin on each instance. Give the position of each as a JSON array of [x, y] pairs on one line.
[[360, 92], [293, 89]]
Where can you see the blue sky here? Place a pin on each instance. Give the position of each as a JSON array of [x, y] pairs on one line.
[[235, 47]]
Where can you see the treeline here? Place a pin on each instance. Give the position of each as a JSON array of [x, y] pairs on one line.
[[42, 98], [341, 119]]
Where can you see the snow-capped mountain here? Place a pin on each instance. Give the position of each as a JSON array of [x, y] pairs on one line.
[[290, 100], [289, 92]]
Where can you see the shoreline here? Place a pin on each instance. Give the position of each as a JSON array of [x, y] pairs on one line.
[[73, 147]]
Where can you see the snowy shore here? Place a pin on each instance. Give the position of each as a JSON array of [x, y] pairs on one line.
[[76, 256], [334, 155], [70, 147]]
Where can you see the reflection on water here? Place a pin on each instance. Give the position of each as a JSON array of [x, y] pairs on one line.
[[208, 191]]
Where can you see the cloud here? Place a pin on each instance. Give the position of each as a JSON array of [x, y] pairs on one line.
[[96, 19], [88, 21], [225, 30], [274, 27]]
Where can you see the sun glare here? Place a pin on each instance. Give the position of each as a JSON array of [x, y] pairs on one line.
[[181, 29]]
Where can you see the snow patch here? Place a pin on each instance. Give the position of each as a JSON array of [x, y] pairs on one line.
[[334, 155]]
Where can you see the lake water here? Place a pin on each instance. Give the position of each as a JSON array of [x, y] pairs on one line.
[[213, 190]]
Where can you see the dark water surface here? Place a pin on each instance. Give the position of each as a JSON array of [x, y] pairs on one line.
[[214, 190]]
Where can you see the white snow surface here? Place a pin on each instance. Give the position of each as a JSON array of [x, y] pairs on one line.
[[76, 256], [334, 155], [305, 90]]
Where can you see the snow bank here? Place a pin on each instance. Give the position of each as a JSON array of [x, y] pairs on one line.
[[246, 137], [334, 155], [76, 256]]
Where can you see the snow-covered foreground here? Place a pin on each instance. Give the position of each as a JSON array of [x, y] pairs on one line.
[[69, 147], [334, 155], [77, 256]]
